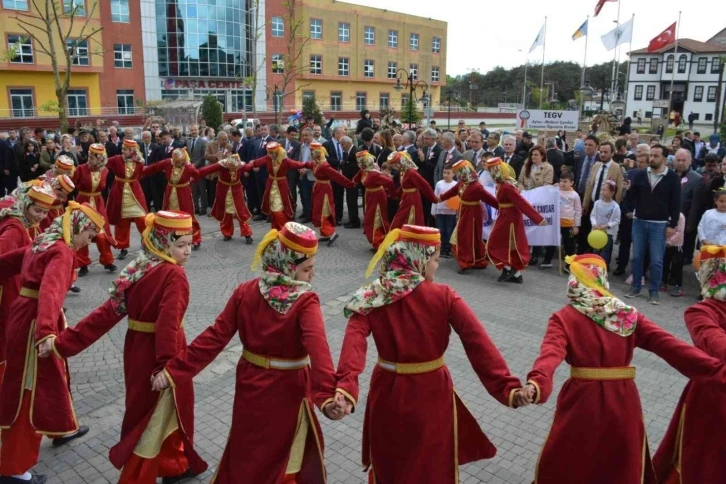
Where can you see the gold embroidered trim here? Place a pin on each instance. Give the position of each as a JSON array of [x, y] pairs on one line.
[[624, 373], [29, 293], [412, 368], [274, 363]]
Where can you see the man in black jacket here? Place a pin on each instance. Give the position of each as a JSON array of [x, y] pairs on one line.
[[510, 157], [655, 194], [349, 168], [334, 157], [158, 180], [9, 168], [292, 148]]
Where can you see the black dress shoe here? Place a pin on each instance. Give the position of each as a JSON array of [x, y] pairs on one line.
[[82, 430], [515, 279], [227, 238], [463, 270], [75, 289], [83, 271], [333, 238], [304, 220], [619, 271], [248, 240], [35, 479], [505, 275], [174, 479], [351, 226], [338, 223], [259, 218], [110, 267], [122, 255], [533, 261]]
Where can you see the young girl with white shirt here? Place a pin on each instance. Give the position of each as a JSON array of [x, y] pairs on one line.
[[606, 216], [712, 227]]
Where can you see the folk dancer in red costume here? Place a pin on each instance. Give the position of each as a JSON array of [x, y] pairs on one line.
[[322, 209], [410, 318], [467, 243], [63, 186], [90, 180], [285, 367], [126, 202], [596, 333], [157, 433], [413, 187], [692, 451], [379, 188], [36, 398], [229, 200], [507, 246]]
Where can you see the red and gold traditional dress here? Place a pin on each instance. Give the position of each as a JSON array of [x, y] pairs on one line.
[[285, 368], [322, 209], [378, 190], [90, 180], [467, 243], [413, 187], [126, 202], [60, 177], [36, 398], [157, 433], [416, 428], [598, 432], [692, 451], [276, 202], [229, 199]]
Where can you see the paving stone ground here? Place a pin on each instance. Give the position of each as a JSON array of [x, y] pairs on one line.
[[515, 317]]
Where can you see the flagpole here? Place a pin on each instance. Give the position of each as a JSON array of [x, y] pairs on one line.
[[584, 62], [524, 87], [541, 81], [615, 56], [673, 72]]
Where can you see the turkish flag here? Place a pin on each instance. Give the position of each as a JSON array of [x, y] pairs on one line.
[[668, 36], [600, 4]]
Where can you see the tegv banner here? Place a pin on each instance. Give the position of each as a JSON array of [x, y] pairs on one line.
[[536, 120], [546, 200]]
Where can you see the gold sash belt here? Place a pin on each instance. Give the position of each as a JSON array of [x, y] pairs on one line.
[[470, 203], [125, 180], [504, 205], [376, 189], [278, 177], [274, 363], [90, 194], [141, 327], [228, 183], [327, 182], [412, 368], [179, 185], [622, 373], [410, 190], [29, 293]]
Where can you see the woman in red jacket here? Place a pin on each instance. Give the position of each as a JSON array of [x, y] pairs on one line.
[[323, 202], [36, 398], [692, 451], [413, 187], [157, 433], [378, 188], [598, 431], [416, 428]]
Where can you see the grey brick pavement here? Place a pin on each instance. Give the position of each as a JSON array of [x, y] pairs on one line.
[[515, 317]]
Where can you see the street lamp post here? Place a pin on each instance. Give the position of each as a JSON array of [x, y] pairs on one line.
[[277, 94], [412, 85]]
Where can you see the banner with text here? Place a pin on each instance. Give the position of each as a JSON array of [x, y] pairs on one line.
[[546, 200], [536, 120]]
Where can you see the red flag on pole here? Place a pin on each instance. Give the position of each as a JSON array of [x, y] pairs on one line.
[[668, 36], [600, 4]]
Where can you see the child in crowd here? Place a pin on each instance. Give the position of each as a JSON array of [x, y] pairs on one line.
[[606, 216], [712, 227], [31, 162], [673, 260], [570, 217], [445, 216]]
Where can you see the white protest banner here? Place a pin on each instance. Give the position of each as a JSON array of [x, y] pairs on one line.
[[546, 200], [536, 120]]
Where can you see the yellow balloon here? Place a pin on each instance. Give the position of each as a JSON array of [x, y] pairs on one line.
[[597, 239]]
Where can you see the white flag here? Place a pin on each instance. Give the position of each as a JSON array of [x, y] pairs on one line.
[[539, 40], [622, 34]]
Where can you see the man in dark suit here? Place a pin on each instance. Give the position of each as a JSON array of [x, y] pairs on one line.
[[260, 174], [292, 150], [197, 147], [113, 145], [334, 157], [349, 168], [158, 180], [525, 145], [249, 146], [429, 155], [409, 146], [9, 168], [510, 157], [556, 158], [583, 174], [492, 144], [449, 154]]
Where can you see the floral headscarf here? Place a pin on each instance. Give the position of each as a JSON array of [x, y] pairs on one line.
[[279, 263], [318, 153], [97, 157], [500, 171], [179, 157], [401, 161], [76, 219], [587, 289], [232, 163], [366, 161], [712, 273], [403, 268], [465, 172], [21, 201]]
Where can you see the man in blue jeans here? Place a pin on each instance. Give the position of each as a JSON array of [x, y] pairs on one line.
[[655, 194]]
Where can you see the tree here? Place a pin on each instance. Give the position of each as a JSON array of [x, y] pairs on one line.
[[311, 108], [212, 111], [54, 23], [410, 113]]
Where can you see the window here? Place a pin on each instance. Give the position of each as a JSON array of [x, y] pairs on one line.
[[343, 32], [21, 101], [80, 51], [434, 74], [650, 93], [413, 71], [369, 68], [343, 66], [307, 95], [638, 93], [648, 114], [369, 36], [709, 116], [120, 11], [22, 47], [122, 56], [682, 62], [436, 45], [414, 42], [392, 69], [125, 101], [77, 102], [393, 39], [74, 7], [316, 64], [404, 101], [641, 66], [278, 27], [653, 68], [698, 94], [669, 64], [702, 61], [384, 100], [336, 101], [278, 64], [15, 4], [711, 96], [715, 65], [360, 101], [316, 29]]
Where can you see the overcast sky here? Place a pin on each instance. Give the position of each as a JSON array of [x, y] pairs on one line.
[[483, 35]]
